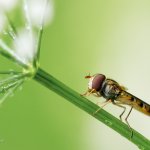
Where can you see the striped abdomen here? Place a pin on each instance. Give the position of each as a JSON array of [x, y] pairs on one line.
[[129, 99]]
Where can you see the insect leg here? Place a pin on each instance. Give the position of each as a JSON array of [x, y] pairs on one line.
[[89, 92], [124, 108], [92, 91], [126, 119], [104, 104], [84, 94], [97, 94]]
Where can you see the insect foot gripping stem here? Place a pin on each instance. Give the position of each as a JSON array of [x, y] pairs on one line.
[[101, 107]]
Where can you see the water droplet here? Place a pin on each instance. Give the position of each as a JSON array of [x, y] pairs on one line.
[[141, 147], [109, 123]]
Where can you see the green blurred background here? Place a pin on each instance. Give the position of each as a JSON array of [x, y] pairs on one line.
[[109, 37]]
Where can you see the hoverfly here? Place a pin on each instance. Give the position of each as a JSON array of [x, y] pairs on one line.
[[116, 94]]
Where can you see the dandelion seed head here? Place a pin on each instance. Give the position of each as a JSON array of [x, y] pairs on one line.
[[7, 4], [24, 40], [24, 46], [40, 10]]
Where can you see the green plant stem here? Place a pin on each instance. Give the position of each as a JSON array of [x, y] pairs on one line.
[[61, 89]]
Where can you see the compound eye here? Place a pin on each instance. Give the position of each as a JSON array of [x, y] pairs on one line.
[[98, 81]]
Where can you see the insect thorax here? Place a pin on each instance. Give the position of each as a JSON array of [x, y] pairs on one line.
[[110, 89]]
